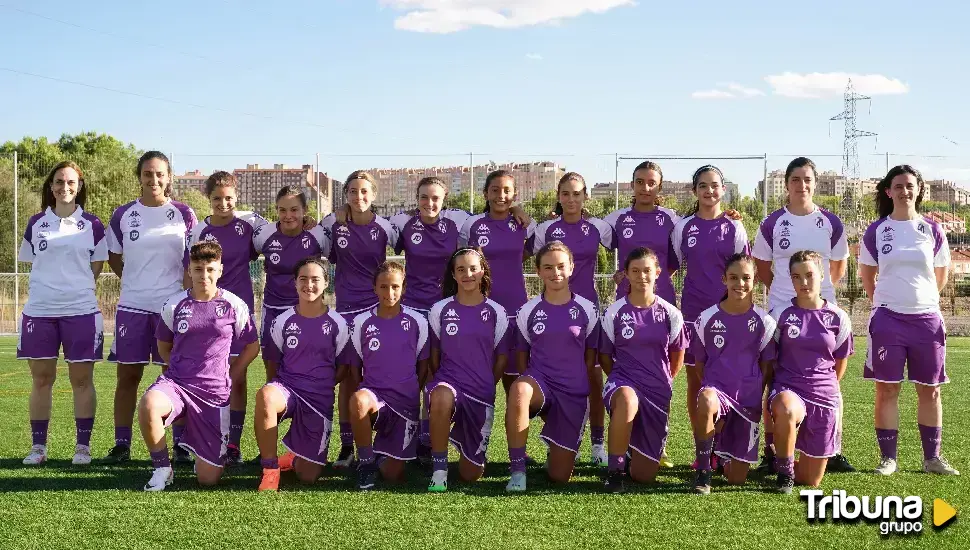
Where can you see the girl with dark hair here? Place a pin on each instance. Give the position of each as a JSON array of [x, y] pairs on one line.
[[311, 338], [66, 248], [733, 351], [502, 239], [468, 357], [146, 250], [641, 349], [911, 256], [556, 352]]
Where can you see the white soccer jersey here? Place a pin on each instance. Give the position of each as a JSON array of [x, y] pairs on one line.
[[906, 253], [782, 234], [61, 250], [152, 241]]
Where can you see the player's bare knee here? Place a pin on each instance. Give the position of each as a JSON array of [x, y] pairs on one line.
[[360, 402], [441, 400], [560, 474], [470, 473], [707, 402], [888, 391], [308, 476], [928, 394], [44, 381]]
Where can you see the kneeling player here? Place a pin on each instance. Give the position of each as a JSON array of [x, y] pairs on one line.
[[814, 340], [733, 351], [388, 340], [641, 350], [310, 337], [197, 328], [557, 339]]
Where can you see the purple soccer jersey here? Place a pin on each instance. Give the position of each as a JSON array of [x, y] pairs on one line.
[[504, 244], [640, 340], [201, 334], [583, 239], [386, 351], [61, 251], [731, 348], [427, 249], [311, 349], [281, 254], [703, 248], [470, 339], [632, 229], [809, 342], [557, 337], [356, 252], [236, 240]]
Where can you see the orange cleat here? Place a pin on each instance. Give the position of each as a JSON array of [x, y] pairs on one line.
[[271, 480], [286, 461]]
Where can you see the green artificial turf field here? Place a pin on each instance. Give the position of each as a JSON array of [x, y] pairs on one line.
[[62, 506]]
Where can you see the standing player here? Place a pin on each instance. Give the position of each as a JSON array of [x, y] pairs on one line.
[[146, 250], [733, 351], [799, 225], [502, 238], [311, 338], [557, 341], [583, 236], [388, 341], [641, 349], [194, 337], [233, 231], [67, 248], [703, 242], [911, 256], [358, 249], [468, 357], [814, 340]]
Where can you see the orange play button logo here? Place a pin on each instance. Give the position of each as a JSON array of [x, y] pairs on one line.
[[943, 513]]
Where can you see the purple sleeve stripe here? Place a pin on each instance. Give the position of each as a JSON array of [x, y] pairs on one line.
[[937, 235], [29, 231], [115, 222], [768, 226], [96, 226], [837, 227], [869, 239]]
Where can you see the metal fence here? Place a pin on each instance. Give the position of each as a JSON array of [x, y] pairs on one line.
[[111, 181]]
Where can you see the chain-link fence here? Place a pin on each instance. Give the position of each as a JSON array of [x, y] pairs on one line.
[[756, 187]]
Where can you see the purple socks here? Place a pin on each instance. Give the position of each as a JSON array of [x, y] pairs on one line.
[[270, 463], [236, 421], [365, 455], [596, 435], [785, 465], [517, 459], [425, 437], [440, 460], [931, 437], [84, 427], [617, 463], [703, 448], [123, 435], [160, 458], [38, 431], [346, 435], [888, 441]]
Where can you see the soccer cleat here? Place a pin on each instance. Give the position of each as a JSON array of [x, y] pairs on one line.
[[517, 483], [37, 456], [233, 456], [615, 482], [346, 457], [839, 463], [286, 461], [665, 461], [180, 455], [784, 483], [271, 480], [439, 481], [887, 466], [161, 478], [702, 483], [598, 455], [366, 476], [118, 454], [767, 466], [939, 465], [82, 455]]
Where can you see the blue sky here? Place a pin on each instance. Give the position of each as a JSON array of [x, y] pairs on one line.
[[515, 80]]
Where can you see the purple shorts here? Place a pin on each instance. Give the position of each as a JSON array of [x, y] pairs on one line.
[[206, 425], [564, 416], [898, 342], [135, 342], [649, 434], [310, 428], [820, 433], [472, 424], [396, 436], [269, 349], [739, 437], [81, 336]]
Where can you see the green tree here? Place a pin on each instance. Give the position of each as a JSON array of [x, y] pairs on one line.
[[197, 201]]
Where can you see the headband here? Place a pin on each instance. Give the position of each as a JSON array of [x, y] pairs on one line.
[[705, 168]]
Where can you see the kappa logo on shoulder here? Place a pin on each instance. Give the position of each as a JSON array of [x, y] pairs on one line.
[[541, 315], [485, 315], [209, 237], [275, 243], [692, 229], [220, 309], [792, 318], [785, 223], [718, 325], [374, 233], [628, 219], [558, 233], [371, 329], [451, 315], [626, 317], [293, 327], [44, 225]]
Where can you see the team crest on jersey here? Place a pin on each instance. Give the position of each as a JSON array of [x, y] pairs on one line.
[[784, 244], [122, 331], [752, 324], [451, 329], [442, 226], [220, 310], [539, 328], [513, 227], [921, 228], [416, 238], [819, 222], [306, 242], [558, 233], [691, 242], [719, 340], [239, 229], [659, 315], [660, 220], [133, 235], [183, 326], [406, 324], [80, 225], [881, 353], [170, 215], [373, 234], [30, 326], [585, 228], [887, 248], [451, 315], [42, 246], [574, 313], [274, 258], [485, 315], [326, 329]]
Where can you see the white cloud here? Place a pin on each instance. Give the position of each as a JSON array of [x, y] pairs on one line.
[[744, 91], [820, 85], [447, 16], [533, 56], [712, 94]]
